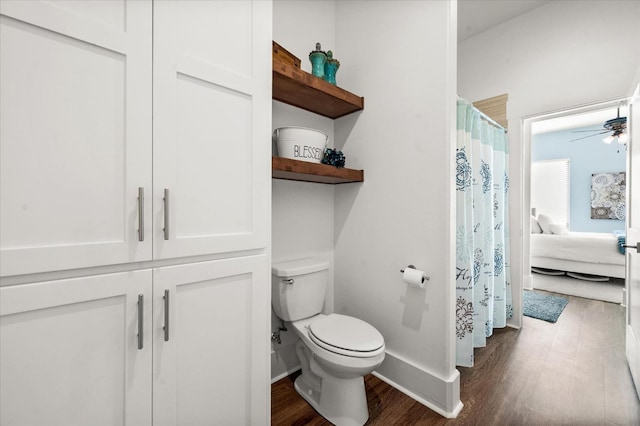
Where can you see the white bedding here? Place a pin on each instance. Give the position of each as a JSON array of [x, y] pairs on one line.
[[591, 247]]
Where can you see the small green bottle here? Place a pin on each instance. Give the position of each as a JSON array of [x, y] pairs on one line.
[[331, 68], [317, 58]]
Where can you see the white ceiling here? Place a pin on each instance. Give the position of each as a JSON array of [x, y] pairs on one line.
[[476, 16]]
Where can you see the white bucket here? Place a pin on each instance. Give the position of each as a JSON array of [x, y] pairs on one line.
[[300, 143]]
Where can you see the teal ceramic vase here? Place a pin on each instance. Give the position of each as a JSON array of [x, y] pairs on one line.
[[317, 58], [331, 68]]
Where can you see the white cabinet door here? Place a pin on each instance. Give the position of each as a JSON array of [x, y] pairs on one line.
[[211, 368], [212, 126], [69, 352], [75, 133]]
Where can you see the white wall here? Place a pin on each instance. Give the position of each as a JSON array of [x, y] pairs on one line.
[[302, 213], [560, 55], [400, 56]]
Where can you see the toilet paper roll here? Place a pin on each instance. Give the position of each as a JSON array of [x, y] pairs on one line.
[[413, 277]]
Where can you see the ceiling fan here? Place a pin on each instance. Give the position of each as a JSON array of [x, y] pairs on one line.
[[616, 126]]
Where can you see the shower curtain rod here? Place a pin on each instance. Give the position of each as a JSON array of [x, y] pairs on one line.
[[484, 116]]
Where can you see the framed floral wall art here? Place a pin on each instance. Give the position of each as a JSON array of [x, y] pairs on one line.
[[608, 196]]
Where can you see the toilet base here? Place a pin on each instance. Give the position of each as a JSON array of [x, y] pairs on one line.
[[343, 402], [333, 384]]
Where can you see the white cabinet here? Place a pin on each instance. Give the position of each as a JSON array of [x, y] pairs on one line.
[[211, 129], [79, 144], [69, 351], [75, 133], [210, 368], [134, 159]]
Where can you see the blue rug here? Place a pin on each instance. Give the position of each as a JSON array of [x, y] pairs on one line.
[[543, 306]]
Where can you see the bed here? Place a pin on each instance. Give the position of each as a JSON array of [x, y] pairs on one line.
[[588, 253]]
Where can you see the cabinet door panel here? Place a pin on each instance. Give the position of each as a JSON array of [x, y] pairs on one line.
[[212, 103], [69, 352], [213, 369], [75, 137], [221, 145]]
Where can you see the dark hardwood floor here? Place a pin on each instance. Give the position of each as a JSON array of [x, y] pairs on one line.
[[573, 372]]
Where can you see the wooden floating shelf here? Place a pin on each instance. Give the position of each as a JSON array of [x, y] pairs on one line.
[[295, 87], [286, 168]]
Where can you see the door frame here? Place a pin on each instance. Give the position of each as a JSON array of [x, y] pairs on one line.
[[525, 167], [632, 347]]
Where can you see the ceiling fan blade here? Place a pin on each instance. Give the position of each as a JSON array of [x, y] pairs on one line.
[[601, 133]]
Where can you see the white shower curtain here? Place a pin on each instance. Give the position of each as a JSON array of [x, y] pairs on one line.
[[483, 284]]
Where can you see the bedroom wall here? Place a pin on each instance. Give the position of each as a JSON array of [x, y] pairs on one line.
[[552, 58], [587, 156]]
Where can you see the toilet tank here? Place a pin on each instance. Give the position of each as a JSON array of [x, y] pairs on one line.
[[298, 288]]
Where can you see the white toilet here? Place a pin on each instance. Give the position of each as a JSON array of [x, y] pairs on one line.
[[335, 351]]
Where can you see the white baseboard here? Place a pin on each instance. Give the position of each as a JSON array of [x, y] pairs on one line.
[[441, 395], [527, 283], [285, 374], [284, 362]]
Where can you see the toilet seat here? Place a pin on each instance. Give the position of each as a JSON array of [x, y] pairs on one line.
[[346, 335]]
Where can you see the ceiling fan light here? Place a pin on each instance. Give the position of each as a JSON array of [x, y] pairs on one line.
[[608, 139], [623, 138]]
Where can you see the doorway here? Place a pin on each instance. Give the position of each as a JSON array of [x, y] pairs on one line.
[[572, 124]]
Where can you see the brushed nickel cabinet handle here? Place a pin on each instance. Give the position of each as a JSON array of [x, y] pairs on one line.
[[140, 321], [166, 214], [166, 315], [140, 214]]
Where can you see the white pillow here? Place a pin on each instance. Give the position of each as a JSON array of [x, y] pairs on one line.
[[535, 226], [558, 229], [545, 223]]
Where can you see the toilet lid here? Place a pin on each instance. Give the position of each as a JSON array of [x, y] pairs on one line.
[[346, 335]]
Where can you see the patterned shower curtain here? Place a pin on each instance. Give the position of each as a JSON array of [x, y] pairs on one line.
[[483, 281]]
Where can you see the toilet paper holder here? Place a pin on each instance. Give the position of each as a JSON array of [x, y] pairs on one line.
[[424, 277]]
